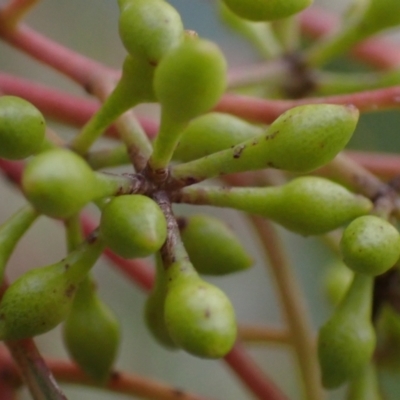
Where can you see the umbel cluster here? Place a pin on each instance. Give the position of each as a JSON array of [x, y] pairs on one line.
[[186, 75]]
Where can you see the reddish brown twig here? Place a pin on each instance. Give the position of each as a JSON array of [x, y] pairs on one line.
[[267, 111], [77, 67], [34, 370], [386, 166], [249, 372], [119, 382]]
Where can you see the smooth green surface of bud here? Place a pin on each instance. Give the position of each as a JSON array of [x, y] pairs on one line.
[[307, 137], [347, 340], [190, 79], [300, 140], [307, 205], [337, 281], [136, 84], [312, 205], [213, 132], [133, 226], [149, 29], [58, 183], [91, 333], [267, 10], [42, 298], [22, 128], [199, 317], [370, 245], [212, 246]]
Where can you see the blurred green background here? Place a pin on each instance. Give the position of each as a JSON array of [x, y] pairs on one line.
[[90, 27]]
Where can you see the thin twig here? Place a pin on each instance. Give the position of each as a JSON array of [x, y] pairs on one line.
[[293, 305], [13, 12], [77, 67], [351, 173], [266, 111], [120, 382], [35, 371], [386, 166], [250, 374], [263, 334]]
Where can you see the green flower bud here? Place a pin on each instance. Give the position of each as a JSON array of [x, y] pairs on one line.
[[307, 205], [42, 298], [266, 10], [337, 281], [133, 226], [149, 29], [212, 247], [91, 333], [199, 316], [190, 79], [347, 340], [300, 140], [213, 132], [370, 245], [58, 183], [188, 82], [22, 128]]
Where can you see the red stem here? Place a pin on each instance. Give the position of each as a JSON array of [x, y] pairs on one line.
[[266, 111], [244, 367], [119, 382], [76, 111], [387, 166], [34, 370], [79, 68]]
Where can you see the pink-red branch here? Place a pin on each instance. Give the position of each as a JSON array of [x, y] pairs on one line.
[[244, 367], [77, 67], [76, 110], [386, 166], [34, 370], [266, 111], [119, 382]]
